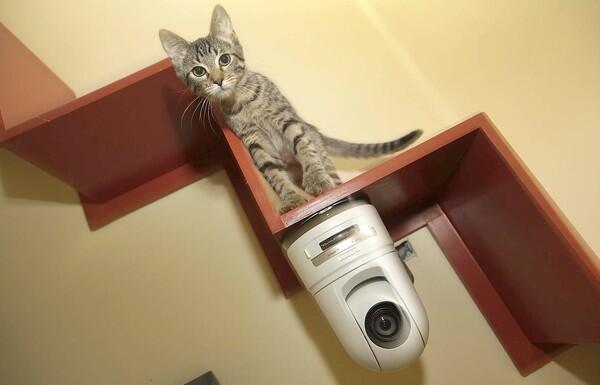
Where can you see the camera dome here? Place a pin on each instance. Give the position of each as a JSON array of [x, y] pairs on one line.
[[346, 259]]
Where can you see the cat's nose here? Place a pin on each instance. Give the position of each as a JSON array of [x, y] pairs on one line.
[[218, 82]]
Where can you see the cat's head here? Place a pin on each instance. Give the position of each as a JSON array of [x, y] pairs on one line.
[[211, 66]]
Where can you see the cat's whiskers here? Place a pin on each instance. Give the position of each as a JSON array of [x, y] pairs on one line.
[[213, 117], [231, 83], [194, 113], [209, 114], [184, 112], [212, 90], [203, 112], [246, 88]]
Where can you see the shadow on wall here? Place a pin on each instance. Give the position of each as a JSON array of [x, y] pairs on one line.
[[21, 180], [346, 371], [583, 361], [220, 178]]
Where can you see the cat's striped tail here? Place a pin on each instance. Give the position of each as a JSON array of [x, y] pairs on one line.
[[336, 147]]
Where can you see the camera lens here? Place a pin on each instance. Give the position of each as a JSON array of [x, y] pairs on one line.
[[382, 323], [385, 325]]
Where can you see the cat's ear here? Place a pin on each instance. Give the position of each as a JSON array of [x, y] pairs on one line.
[[174, 45], [221, 26]]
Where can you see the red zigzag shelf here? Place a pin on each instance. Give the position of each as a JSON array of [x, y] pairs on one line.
[[123, 146]]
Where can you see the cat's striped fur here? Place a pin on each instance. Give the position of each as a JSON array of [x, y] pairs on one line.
[[275, 135]]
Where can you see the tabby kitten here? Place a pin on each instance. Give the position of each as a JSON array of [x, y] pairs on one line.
[[275, 135]]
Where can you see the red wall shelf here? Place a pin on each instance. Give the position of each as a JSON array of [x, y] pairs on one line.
[[123, 146]]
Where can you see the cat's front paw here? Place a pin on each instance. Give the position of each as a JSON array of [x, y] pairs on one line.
[[317, 184], [291, 202]]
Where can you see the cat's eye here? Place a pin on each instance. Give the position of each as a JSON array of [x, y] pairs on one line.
[[224, 59], [199, 71]]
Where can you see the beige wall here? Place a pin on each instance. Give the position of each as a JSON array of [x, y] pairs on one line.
[[155, 299]]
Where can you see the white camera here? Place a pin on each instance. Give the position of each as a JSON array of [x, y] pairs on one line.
[[346, 259]]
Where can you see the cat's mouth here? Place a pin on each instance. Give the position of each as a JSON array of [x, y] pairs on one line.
[[219, 92], [223, 92]]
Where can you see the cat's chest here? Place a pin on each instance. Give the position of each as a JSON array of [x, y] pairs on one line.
[[250, 119], [240, 124]]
